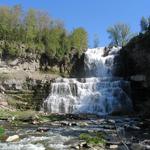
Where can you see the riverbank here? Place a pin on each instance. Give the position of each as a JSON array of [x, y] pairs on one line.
[[47, 131], [23, 86]]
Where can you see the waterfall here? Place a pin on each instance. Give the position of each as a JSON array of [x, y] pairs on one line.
[[98, 93]]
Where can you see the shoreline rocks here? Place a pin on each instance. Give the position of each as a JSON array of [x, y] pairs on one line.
[[12, 138]]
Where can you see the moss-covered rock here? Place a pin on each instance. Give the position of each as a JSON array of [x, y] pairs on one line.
[[95, 138]]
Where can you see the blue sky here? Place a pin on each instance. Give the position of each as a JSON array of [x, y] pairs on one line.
[[94, 15]]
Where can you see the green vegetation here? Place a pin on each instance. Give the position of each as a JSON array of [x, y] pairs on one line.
[[36, 32], [4, 76], [18, 115], [24, 100], [79, 39], [145, 24], [119, 34], [2, 131], [51, 117], [21, 100], [95, 138]]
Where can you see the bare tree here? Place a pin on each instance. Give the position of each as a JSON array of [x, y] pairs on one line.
[[144, 24], [96, 41], [119, 34]]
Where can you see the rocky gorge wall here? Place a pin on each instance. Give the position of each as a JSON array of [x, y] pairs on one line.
[[23, 95], [134, 65], [24, 84]]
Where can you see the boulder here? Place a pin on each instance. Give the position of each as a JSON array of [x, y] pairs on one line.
[[12, 138], [42, 129], [113, 146], [138, 78]]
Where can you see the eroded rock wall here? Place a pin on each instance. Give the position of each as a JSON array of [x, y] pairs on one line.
[[134, 65]]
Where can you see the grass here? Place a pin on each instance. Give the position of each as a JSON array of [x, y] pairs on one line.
[[19, 115], [29, 115], [95, 138], [2, 131], [22, 100], [16, 103], [55, 71], [4, 76], [51, 117]]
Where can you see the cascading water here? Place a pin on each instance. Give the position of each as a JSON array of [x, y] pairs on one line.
[[98, 93]]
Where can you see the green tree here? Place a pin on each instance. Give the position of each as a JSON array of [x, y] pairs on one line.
[[37, 32], [52, 40], [79, 39], [119, 34], [15, 22], [43, 23], [30, 23], [65, 44], [5, 28], [144, 24]]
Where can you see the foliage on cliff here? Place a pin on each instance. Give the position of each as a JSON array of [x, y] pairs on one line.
[[36, 32], [119, 34], [134, 65], [145, 24]]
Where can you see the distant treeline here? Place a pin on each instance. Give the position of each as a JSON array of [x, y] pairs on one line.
[[37, 32]]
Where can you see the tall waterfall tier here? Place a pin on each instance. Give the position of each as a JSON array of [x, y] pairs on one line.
[[98, 93], [99, 65]]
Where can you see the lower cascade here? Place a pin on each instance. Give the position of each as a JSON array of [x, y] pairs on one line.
[[98, 93]]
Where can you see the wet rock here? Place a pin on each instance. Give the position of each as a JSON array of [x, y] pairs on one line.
[[138, 78], [11, 119], [73, 124], [72, 116], [75, 147], [133, 127], [111, 121], [146, 144], [64, 123], [111, 137], [95, 147], [12, 138], [83, 124], [112, 143], [2, 89], [3, 103], [43, 129], [3, 99], [67, 123], [76, 144], [83, 144], [136, 146], [113, 146], [107, 126], [35, 122]]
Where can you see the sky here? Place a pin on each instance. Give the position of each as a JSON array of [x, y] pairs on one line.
[[93, 15]]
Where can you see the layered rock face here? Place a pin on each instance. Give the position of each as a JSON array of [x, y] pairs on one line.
[[134, 61]]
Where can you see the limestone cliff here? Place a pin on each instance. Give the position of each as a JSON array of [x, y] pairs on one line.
[[134, 65]]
